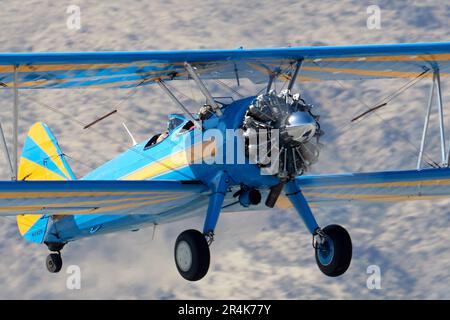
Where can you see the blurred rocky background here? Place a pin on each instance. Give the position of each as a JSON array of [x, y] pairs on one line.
[[265, 254]]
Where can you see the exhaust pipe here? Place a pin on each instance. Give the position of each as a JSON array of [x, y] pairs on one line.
[[275, 192]]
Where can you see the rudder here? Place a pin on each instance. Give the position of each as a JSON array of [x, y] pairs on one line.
[[42, 159]]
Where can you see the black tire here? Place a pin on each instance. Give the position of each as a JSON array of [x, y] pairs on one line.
[[341, 256], [54, 262], [192, 255]]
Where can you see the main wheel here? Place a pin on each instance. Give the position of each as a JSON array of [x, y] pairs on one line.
[[54, 262], [334, 255], [192, 255]]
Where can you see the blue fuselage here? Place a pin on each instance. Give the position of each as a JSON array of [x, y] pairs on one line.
[[167, 160]]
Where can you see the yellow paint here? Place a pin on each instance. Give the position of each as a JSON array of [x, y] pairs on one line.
[[373, 197], [180, 72], [95, 203], [72, 67], [365, 72], [409, 57], [169, 163], [418, 183], [72, 194], [172, 162], [117, 207], [41, 82], [280, 75], [39, 135], [26, 221], [139, 81], [95, 66], [32, 171], [283, 202]]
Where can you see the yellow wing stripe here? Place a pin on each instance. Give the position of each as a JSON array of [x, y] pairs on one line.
[[75, 204], [283, 202], [367, 72], [300, 77], [90, 66], [28, 220], [95, 66], [418, 57], [373, 197], [69, 194], [418, 183], [117, 207]]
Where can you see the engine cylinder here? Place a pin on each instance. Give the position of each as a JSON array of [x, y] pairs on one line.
[[282, 125]]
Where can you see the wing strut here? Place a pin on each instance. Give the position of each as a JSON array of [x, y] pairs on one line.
[[203, 89], [15, 122], [179, 104], [298, 65], [12, 163], [6, 152], [435, 88]]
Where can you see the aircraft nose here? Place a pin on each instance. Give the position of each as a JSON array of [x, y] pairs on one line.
[[300, 126]]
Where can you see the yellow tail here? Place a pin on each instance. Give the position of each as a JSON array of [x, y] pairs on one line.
[[42, 159]]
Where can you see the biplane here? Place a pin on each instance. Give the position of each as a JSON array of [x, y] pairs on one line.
[[245, 154]]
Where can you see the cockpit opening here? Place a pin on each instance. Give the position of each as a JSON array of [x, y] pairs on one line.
[[175, 121]]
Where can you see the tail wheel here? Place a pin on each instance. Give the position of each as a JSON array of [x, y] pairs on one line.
[[54, 262], [192, 255], [334, 253]]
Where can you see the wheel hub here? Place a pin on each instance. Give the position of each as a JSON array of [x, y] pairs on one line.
[[325, 251], [184, 256]]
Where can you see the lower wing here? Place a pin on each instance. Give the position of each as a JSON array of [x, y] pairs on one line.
[[95, 197], [387, 186]]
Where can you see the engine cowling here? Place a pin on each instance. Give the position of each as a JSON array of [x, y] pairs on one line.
[[281, 133]]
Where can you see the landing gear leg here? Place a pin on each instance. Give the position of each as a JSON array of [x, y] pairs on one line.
[[191, 252], [332, 245]]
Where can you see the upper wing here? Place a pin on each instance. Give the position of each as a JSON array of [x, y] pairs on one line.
[[95, 197], [376, 186], [130, 69]]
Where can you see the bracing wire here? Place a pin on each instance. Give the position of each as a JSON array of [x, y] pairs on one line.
[[104, 135], [388, 99]]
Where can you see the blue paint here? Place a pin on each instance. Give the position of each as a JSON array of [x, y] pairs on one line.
[[301, 205], [35, 154], [325, 251], [150, 65], [222, 55], [77, 226], [218, 185], [167, 64]]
